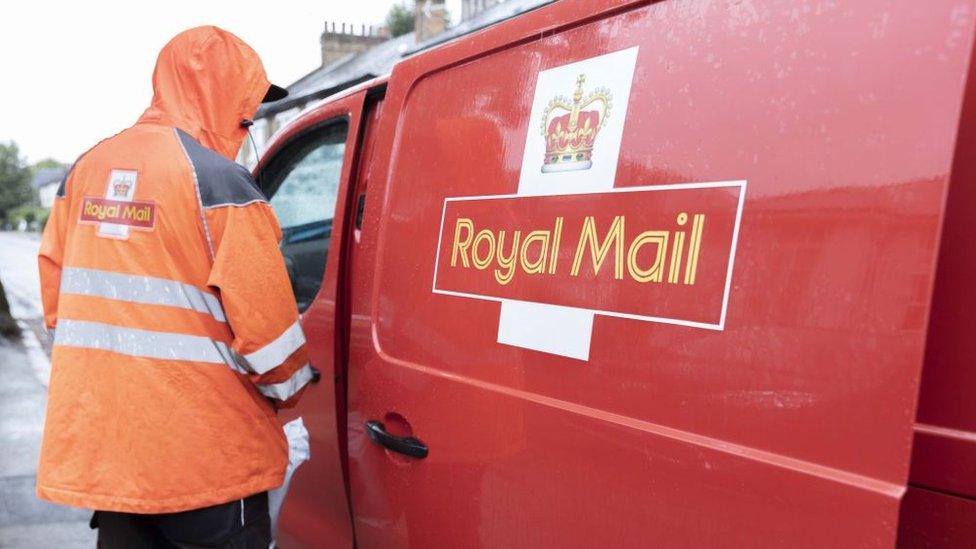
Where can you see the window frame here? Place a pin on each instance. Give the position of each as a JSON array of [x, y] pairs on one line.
[[274, 173], [275, 169]]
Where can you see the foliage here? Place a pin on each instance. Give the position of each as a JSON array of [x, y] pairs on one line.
[[47, 163], [15, 188], [33, 215], [400, 19]]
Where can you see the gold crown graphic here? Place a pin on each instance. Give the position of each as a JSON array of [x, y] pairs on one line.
[[121, 188], [570, 128]]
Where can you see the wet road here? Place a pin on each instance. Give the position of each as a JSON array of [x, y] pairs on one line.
[[26, 522], [18, 269]]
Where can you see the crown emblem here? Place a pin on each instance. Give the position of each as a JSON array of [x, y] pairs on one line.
[[121, 188], [570, 128]]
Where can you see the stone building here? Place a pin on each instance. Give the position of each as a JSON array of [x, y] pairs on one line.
[[46, 182], [338, 42], [352, 54], [430, 19], [471, 8]]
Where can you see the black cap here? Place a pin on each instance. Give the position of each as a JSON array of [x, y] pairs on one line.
[[275, 93]]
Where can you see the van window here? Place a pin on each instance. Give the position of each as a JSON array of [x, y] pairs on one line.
[[302, 181]]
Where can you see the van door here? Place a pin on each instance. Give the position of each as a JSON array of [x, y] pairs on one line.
[[711, 331], [306, 175], [939, 509]]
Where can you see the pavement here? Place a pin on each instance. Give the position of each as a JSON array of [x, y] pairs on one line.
[[25, 521]]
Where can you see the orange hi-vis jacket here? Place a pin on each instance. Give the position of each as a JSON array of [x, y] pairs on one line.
[[176, 330]]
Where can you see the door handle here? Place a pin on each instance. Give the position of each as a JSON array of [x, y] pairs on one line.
[[408, 446], [316, 375]]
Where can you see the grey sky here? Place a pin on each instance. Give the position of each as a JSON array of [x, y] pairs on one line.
[[76, 72]]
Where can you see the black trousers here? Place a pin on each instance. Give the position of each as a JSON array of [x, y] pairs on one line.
[[239, 524]]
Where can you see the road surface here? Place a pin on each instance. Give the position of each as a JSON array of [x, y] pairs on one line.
[[18, 271], [25, 521]]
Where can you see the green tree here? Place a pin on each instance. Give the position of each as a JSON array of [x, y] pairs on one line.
[[15, 189], [400, 20], [47, 163]]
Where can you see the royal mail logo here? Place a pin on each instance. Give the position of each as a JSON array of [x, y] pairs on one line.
[[576, 125], [657, 254], [570, 128], [573, 244], [136, 214], [119, 212], [120, 189]]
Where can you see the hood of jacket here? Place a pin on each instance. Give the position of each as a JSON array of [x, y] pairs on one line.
[[206, 81]]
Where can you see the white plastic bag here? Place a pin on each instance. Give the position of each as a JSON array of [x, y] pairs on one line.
[[298, 453]]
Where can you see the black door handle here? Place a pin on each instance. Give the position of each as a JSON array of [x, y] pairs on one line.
[[408, 446], [316, 375]]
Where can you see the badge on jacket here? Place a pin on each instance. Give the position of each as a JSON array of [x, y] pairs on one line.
[[119, 212]]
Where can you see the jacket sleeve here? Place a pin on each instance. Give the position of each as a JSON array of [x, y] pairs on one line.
[[249, 272], [50, 258]]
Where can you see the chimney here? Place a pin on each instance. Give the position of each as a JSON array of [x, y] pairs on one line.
[[471, 8], [430, 18], [340, 40]]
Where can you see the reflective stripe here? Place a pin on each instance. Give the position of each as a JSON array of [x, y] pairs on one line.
[[140, 289], [287, 389], [143, 343], [274, 353]]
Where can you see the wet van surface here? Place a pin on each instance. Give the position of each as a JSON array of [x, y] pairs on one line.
[[628, 274]]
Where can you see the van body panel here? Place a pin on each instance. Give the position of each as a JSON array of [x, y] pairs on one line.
[[317, 507], [935, 520], [846, 148], [945, 435], [632, 390]]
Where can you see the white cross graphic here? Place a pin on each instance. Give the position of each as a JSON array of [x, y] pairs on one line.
[[121, 188], [552, 328]]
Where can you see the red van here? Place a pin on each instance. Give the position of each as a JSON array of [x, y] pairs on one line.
[[643, 274]]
